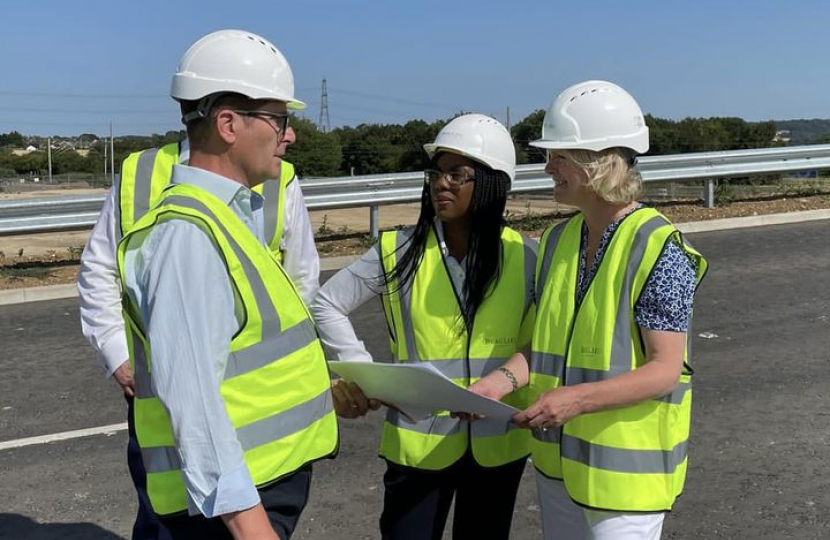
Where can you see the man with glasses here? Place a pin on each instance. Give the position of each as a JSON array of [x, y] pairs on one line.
[[209, 310]]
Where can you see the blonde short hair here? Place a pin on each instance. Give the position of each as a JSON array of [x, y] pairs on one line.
[[611, 173]]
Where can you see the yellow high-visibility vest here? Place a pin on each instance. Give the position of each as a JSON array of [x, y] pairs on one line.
[[145, 174], [425, 325], [628, 459], [276, 386]]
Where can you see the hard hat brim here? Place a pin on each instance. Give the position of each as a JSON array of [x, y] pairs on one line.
[[596, 146], [496, 165], [190, 88]]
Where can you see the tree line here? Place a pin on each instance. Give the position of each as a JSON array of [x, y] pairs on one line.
[[386, 148]]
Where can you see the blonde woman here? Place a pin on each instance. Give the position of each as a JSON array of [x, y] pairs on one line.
[[608, 367]]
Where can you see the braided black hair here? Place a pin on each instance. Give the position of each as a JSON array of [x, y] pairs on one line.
[[484, 254]]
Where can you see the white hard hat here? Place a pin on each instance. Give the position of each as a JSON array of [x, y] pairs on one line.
[[594, 115], [234, 61], [479, 138]]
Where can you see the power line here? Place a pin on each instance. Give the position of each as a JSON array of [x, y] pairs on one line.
[[82, 111], [443, 106], [30, 93]]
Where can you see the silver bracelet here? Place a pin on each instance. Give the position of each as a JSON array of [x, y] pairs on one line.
[[510, 377]]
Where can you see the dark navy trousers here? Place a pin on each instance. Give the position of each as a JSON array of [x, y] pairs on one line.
[[417, 502], [283, 501], [147, 525]]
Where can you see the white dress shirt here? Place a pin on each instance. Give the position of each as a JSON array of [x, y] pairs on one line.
[[352, 287], [100, 291], [168, 274]]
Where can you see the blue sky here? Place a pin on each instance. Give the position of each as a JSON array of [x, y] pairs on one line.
[[74, 67]]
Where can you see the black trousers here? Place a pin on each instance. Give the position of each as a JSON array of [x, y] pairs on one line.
[[283, 502], [417, 503], [146, 526]]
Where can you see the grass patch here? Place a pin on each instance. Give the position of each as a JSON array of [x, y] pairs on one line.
[[17, 272]]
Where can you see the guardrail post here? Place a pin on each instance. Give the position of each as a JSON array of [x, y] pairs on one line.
[[709, 193], [374, 215]]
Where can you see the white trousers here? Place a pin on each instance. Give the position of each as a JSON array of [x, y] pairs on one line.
[[562, 519]]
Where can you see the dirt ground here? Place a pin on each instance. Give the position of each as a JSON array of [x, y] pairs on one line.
[[52, 258]]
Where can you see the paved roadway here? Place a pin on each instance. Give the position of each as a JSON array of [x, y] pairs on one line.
[[760, 431]]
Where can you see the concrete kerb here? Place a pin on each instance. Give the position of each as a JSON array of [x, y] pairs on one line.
[[36, 294], [55, 292]]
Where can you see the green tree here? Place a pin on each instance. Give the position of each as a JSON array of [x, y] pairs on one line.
[[13, 139], [528, 129], [314, 153], [411, 139], [67, 161], [369, 149]]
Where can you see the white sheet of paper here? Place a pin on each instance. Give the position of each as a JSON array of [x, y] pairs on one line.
[[418, 390]]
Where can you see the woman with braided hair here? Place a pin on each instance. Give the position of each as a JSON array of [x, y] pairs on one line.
[[457, 293]]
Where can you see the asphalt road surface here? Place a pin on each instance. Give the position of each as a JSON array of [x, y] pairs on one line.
[[760, 435]]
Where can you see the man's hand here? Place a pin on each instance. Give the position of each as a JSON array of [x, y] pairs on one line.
[[350, 401], [123, 375]]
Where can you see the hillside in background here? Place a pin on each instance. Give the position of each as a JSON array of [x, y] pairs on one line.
[[804, 131]]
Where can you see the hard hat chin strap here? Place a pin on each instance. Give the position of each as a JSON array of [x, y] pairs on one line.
[[202, 109]]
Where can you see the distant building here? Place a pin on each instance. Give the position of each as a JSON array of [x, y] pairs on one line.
[[782, 136]]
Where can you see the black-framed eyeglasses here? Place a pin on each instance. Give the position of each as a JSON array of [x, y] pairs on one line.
[[455, 179], [277, 121]]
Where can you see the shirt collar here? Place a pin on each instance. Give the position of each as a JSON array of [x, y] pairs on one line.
[[217, 185], [439, 234], [184, 151]]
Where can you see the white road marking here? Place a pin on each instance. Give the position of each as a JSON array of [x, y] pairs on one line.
[[66, 435]]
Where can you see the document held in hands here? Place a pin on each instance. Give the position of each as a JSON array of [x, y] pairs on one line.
[[418, 390]]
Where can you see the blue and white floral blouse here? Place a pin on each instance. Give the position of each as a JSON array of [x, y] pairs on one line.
[[666, 300]]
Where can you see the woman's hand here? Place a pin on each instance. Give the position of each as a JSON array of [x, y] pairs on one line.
[[350, 401], [494, 386], [552, 409]]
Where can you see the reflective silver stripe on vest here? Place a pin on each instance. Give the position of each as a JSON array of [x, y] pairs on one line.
[[457, 368], [530, 252], [286, 423], [274, 345], [142, 185], [492, 428], [271, 348], [119, 233], [688, 359], [547, 363], [676, 397], [143, 383], [160, 459], [404, 293], [689, 245], [547, 257], [268, 314], [542, 362], [623, 460], [434, 425], [267, 351], [271, 193], [622, 342]]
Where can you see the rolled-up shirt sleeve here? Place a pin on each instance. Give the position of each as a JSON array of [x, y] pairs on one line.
[[181, 286]]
